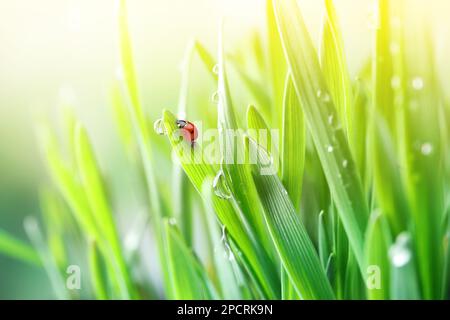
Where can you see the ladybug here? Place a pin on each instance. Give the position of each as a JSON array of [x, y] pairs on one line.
[[188, 130]]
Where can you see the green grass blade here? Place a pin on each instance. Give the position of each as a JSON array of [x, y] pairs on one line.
[[17, 249], [334, 66], [291, 240], [189, 282], [37, 239], [54, 213], [97, 272], [293, 145], [98, 203], [277, 62], [142, 134], [358, 137], [324, 248], [199, 171], [68, 184], [390, 196], [404, 285], [223, 262], [260, 131], [329, 139], [121, 117], [181, 196], [139, 122], [377, 247], [237, 174], [423, 149], [207, 59]]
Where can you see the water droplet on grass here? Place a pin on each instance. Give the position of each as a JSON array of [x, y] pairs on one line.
[[215, 69], [219, 186], [345, 163], [330, 148], [396, 82], [215, 98], [426, 149], [159, 128], [172, 221], [399, 252], [417, 83], [323, 96], [330, 119]]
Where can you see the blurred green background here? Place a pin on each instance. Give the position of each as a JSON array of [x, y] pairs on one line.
[[63, 52]]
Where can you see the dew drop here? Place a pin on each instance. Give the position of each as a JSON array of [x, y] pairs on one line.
[[215, 69], [231, 256], [345, 163], [159, 128], [330, 148], [323, 96], [396, 82], [399, 252], [426, 149], [417, 83], [172, 221], [215, 98], [219, 186], [330, 119]]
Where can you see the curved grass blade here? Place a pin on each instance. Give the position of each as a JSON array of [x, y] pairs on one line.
[[230, 284], [236, 171], [277, 62], [334, 66], [98, 273], [390, 196], [291, 240], [54, 213], [377, 247], [422, 149], [189, 282], [17, 249], [181, 196], [293, 145], [329, 139], [98, 203], [259, 130], [198, 170], [36, 237], [207, 58]]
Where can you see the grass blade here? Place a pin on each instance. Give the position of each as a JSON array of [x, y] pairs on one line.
[[98, 276], [15, 248], [404, 284], [291, 240], [293, 147], [377, 247], [223, 262], [34, 233], [189, 282], [98, 203], [334, 66], [198, 171], [330, 141]]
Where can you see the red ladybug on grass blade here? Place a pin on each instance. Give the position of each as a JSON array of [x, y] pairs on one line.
[[188, 130]]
